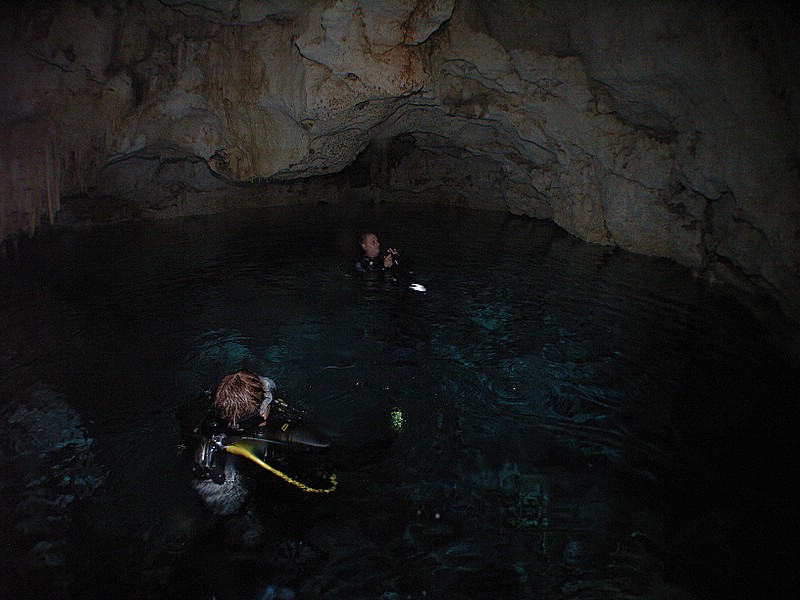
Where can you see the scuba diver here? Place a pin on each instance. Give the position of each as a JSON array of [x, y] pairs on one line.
[[374, 260], [244, 419], [388, 271], [384, 265]]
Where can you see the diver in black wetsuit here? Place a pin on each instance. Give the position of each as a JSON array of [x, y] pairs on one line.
[[245, 419], [374, 259], [376, 262]]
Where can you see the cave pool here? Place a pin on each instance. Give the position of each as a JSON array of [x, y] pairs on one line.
[[550, 419]]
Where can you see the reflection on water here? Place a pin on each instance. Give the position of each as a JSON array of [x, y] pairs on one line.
[[551, 419]]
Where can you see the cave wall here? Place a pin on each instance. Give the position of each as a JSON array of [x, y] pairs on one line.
[[666, 128]]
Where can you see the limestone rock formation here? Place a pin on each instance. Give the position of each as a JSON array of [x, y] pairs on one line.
[[666, 128]]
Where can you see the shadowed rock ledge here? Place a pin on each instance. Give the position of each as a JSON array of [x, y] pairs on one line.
[[664, 128]]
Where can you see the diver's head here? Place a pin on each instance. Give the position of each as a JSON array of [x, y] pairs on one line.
[[370, 244], [240, 397]]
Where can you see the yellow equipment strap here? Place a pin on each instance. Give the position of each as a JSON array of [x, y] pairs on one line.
[[243, 450]]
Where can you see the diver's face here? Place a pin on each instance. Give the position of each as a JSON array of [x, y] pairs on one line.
[[371, 245]]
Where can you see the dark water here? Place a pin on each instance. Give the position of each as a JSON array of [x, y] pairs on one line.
[[551, 419]]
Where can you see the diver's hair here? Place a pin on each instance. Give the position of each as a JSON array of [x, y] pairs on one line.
[[237, 395], [362, 239]]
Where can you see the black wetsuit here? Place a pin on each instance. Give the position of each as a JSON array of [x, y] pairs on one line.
[[368, 265], [286, 431], [365, 264]]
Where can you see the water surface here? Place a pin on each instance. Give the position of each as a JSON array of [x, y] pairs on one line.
[[551, 419]]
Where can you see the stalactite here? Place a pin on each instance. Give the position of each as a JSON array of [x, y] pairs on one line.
[[31, 175]]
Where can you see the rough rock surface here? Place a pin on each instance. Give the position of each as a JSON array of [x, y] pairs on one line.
[[666, 128], [50, 464]]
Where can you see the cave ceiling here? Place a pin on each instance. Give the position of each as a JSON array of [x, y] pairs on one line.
[[664, 128]]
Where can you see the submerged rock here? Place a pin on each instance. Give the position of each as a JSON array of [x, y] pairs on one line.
[[49, 462]]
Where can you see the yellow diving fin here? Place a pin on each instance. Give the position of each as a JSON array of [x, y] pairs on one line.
[[247, 449]]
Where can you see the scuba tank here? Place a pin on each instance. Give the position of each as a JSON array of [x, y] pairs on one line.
[[209, 459]]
